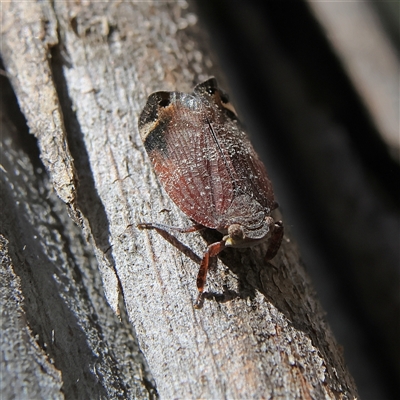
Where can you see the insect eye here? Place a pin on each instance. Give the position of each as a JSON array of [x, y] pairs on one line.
[[164, 103], [211, 90]]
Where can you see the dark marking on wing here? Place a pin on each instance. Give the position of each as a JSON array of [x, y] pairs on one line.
[[155, 101], [156, 140]]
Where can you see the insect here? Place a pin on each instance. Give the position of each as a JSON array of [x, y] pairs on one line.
[[211, 171]]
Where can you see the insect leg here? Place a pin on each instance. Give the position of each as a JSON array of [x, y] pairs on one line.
[[155, 225], [212, 251], [275, 241]]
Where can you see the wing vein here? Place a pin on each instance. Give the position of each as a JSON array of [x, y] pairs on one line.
[[227, 164]]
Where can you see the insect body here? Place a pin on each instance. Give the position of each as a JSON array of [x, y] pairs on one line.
[[209, 168]]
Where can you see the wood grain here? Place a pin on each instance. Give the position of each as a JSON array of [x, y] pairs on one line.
[[81, 93]]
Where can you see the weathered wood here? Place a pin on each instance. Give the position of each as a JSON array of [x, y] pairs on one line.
[[59, 337], [270, 339]]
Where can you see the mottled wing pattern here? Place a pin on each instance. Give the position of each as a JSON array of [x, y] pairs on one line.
[[203, 158], [184, 155], [247, 171]]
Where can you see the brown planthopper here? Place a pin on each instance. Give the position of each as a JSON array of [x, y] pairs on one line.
[[209, 168]]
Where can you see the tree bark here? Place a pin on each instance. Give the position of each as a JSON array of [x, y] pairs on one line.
[[81, 74]]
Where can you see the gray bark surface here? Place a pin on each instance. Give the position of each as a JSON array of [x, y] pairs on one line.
[[81, 74], [60, 339]]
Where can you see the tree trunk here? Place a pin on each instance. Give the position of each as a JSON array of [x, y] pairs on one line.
[[81, 73]]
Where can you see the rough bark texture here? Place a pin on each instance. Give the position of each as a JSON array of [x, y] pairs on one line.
[[59, 337], [83, 72]]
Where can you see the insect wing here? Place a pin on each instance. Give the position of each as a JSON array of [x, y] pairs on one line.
[[204, 159], [247, 172], [185, 156]]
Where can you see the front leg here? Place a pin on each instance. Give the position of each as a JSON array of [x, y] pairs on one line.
[[212, 251], [275, 241], [163, 227], [163, 230]]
